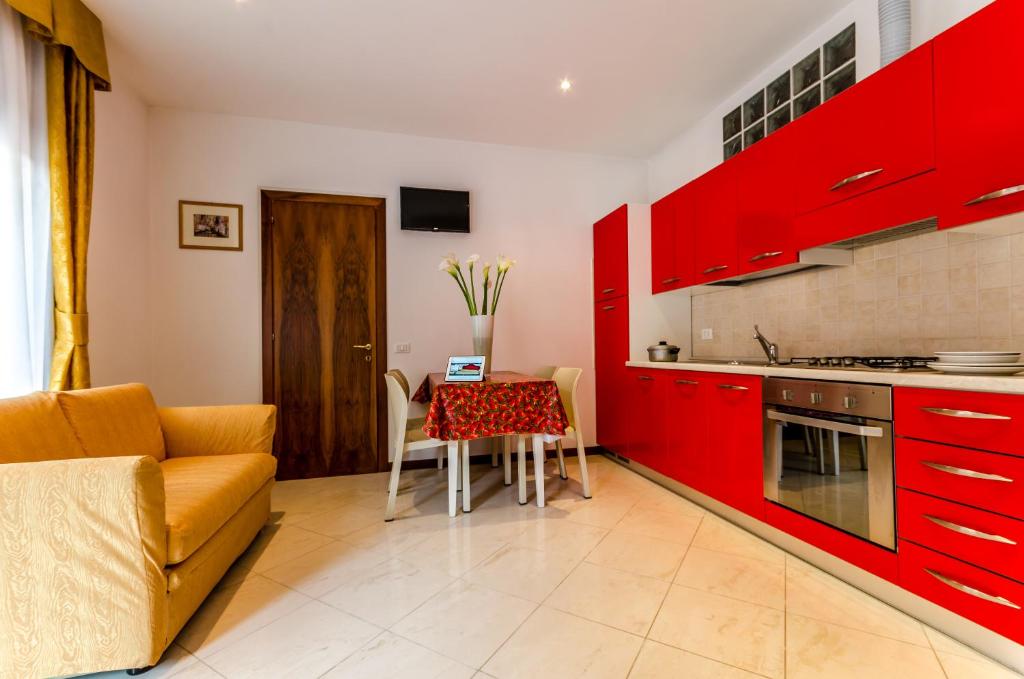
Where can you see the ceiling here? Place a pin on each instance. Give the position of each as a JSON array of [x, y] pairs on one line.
[[483, 70]]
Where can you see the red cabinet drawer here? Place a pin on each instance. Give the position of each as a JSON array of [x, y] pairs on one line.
[[611, 258], [962, 418], [986, 480], [988, 599], [982, 538]]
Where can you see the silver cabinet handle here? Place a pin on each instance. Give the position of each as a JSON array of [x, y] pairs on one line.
[[608, 308], [691, 382], [828, 425], [854, 178], [964, 414], [969, 473], [1001, 193], [765, 255], [734, 387], [607, 290], [713, 269], [964, 530], [977, 593], [645, 378], [674, 279]]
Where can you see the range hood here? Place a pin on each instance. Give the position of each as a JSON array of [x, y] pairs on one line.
[[836, 254]]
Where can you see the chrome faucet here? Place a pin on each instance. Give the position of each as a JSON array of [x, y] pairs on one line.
[[771, 350]]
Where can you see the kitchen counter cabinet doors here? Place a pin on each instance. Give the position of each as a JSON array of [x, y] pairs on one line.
[[611, 255], [766, 201], [672, 241], [735, 449], [715, 196], [611, 350], [979, 113], [647, 419]]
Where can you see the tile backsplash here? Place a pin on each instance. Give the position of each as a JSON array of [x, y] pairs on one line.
[[955, 290]]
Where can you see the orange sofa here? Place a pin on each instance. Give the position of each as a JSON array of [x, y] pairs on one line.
[[117, 518]]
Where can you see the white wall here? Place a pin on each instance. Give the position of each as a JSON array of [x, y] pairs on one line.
[[120, 309], [536, 206]]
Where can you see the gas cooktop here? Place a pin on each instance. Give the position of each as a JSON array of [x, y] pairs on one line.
[[894, 363]]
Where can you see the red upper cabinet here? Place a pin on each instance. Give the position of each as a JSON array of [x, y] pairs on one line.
[[672, 241], [611, 351], [979, 115], [611, 256], [714, 208], [766, 201], [878, 132]]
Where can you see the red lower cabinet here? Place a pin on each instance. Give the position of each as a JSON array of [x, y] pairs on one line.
[[687, 430], [979, 595], [735, 455], [611, 351], [647, 415]]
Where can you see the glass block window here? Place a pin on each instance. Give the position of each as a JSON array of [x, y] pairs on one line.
[[816, 78]]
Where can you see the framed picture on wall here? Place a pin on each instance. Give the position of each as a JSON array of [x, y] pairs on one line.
[[209, 226]]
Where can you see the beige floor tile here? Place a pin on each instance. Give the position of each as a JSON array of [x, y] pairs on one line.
[[305, 643], [276, 545], [386, 593], [454, 551], [959, 667], [341, 521], [198, 671], [658, 661], [817, 649], [662, 500], [562, 646], [323, 570], [560, 535], [465, 622], [670, 526], [736, 633], [615, 598], [813, 593], [638, 554], [232, 613], [174, 661], [391, 657], [528, 573], [396, 536], [738, 577], [602, 510], [719, 535]]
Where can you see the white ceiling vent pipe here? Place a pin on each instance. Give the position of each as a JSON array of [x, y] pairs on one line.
[[894, 29]]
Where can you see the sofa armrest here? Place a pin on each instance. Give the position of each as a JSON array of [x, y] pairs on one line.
[[218, 430], [83, 546]]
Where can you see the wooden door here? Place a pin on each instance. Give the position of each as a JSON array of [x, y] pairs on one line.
[[324, 332]]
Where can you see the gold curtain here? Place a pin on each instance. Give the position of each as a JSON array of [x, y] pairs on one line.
[[76, 65], [71, 118]]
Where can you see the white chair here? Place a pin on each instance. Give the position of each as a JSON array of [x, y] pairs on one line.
[[409, 436]]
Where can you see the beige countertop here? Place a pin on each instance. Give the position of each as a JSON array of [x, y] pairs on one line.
[[927, 379]]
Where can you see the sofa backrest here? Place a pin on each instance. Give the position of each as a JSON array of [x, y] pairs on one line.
[[33, 429], [114, 421]]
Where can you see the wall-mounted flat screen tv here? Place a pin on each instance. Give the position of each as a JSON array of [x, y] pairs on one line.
[[435, 210]]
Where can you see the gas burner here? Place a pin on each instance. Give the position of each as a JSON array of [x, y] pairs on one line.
[[860, 362]]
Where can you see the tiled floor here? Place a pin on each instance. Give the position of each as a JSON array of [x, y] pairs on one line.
[[636, 582]]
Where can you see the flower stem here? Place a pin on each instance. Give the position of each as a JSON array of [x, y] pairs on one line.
[[498, 285], [472, 289]]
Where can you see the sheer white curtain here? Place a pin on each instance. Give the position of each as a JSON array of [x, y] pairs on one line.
[[26, 285]]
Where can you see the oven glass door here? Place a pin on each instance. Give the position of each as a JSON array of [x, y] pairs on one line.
[[833, 468]]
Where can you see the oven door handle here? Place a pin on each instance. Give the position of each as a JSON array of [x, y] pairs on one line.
[[858, 430]]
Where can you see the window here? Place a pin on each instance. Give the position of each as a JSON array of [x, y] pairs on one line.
[[26, 288]]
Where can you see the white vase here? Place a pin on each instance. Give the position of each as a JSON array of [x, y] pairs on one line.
[[483, 337]]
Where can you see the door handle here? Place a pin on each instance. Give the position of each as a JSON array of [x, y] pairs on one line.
[[854, 178], [964, 530], [1001, 193], [733, 387], [765, 255], [964, 414], [969, 473], [689, 382], [713, 269], [366, 347], [669, 281], [607, 290], [971, 591]]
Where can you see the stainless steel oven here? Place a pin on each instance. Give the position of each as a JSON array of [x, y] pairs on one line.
[[828, 454]]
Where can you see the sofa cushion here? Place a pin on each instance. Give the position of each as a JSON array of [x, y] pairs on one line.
[[33, 429], [203, 493], [113, 421]]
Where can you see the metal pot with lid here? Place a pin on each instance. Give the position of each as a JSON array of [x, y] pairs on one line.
[[663, 352]]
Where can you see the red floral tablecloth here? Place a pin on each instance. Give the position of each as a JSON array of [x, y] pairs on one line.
[[506, 403]]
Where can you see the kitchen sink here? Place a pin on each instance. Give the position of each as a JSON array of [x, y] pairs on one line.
[[727, 361]]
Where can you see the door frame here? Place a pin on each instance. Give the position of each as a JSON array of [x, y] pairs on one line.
[[267, 196]]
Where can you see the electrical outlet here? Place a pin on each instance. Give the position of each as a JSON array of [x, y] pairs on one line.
[[707, 334], [403, 348]]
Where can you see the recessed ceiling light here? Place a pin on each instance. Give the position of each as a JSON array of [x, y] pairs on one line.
[[565, 85]]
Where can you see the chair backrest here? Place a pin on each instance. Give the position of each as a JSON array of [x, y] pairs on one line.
[[398, 399], [567, 380]]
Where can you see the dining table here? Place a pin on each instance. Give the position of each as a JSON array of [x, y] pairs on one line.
[[504, 403]]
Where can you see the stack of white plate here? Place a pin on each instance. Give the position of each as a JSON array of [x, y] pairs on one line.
[[978, 362]]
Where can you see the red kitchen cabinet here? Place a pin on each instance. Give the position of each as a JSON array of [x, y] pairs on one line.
[[715, 213], [611, 256], [647, 415], [735, 442], [979, 115], [687, 429], [876, 133], [672, 241], [611, 351], [963, 418], [767, 201]]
